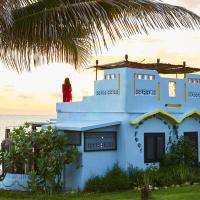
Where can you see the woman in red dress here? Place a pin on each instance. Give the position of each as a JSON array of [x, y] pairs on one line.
[[67, 90]]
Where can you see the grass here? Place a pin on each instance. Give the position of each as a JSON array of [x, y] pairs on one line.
[[182, 193]]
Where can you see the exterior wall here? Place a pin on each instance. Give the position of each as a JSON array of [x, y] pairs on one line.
[[72, 176], [120, 94], [97, 163], [135, 142], [92, 163], [62, 117], [135, 100], [15, 182]]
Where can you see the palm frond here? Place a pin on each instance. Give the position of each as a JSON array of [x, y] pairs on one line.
[[68, 30], [7, 7]]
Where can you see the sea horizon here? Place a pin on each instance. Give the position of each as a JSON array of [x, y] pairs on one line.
[[14, 120]]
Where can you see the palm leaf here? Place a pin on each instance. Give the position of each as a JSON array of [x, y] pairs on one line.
[[68, 30], [6, 8]]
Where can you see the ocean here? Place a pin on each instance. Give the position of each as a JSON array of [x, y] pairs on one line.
[[17, 120]]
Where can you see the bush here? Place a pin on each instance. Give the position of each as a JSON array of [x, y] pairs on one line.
[[94, 184], [181, 152], [45, 154], [114, 180], [139, 177], [135, 176]]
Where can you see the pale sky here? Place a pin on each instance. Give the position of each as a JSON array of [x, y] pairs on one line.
[[38, 91]]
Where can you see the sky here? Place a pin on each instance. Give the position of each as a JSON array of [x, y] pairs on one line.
[[37, 92]]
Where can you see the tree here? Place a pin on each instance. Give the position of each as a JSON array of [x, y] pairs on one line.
[[42, 31], [42, 153]]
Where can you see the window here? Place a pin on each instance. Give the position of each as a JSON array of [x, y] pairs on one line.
[[139, 76], [151, 77], [107, 77], [145, 77], [110, 76], [154, 147], [172, 89], [100, 141], [194, 81], [74, 137]]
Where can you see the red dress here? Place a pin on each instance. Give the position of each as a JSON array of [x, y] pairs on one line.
[[67, 93]]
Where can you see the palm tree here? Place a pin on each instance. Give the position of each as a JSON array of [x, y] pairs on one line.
[[33, 32]]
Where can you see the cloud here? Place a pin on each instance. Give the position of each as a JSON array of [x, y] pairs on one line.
[[189, 3], [25, 96], [7, 88], [151, 41]]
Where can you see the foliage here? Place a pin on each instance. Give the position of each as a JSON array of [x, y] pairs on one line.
[[35, 32], [114, 180], [179, 164], [135, 176], [139, 177], [180, 152], [43, 153], [17, 156], [176, 175]]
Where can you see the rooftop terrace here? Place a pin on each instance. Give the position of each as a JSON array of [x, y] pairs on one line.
[[161, 68]]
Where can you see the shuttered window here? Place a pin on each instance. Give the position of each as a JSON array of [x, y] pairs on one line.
[[154, 147], [73, 137]]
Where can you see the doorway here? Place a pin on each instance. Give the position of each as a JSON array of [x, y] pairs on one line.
[[191, 141]]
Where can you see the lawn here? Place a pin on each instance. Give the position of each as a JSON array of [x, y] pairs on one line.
[[182, 193]]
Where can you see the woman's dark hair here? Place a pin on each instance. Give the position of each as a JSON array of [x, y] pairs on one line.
[[67, 82]]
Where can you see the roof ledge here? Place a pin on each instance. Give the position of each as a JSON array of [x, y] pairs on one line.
[[167, 116]]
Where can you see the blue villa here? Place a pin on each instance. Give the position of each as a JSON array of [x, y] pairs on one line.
[[131, 118]]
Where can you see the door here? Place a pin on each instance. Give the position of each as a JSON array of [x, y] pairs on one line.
[[191, 141]]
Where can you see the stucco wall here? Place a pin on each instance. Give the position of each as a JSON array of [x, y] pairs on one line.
[[135, 138]]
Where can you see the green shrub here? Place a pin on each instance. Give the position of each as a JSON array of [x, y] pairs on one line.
[[135, 176], [117, 179], [114, 180], [181, 152], [94, 184], [164, 178], [44, 151], [179, 165], [176, 175]]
